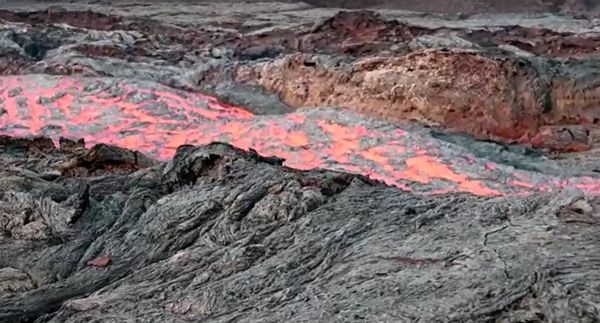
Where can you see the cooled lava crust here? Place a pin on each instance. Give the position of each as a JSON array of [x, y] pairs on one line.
[[361, 170]]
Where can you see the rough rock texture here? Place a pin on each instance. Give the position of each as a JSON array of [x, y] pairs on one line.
[[488, 96], [526, 79], [468, 6], [221, 235], [156, 120], [464, 86]]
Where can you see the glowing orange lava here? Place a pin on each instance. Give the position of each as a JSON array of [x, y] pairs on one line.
[[156, 120]]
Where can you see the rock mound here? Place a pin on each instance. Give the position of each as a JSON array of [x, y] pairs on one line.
[[220, 235]]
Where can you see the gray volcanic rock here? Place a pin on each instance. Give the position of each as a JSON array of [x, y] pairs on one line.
[[222, 235], [218, 234]]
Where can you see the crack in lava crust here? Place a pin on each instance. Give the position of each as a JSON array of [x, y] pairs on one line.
[[156, 120]]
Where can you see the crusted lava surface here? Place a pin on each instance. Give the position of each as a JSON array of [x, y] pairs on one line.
[[156, 120], [517, 79], [269, 162], [219, 234]]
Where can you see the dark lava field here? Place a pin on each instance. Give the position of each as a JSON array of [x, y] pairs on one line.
[[340, 161]]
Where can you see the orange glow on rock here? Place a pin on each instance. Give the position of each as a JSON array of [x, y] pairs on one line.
[[425, 168], [156, 119], [376, 154], [521, 183], [297, 139]]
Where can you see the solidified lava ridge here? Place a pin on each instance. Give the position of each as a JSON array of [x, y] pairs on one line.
[[156, 120]]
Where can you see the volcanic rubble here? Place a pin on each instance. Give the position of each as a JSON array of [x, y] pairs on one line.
[[274, 162]]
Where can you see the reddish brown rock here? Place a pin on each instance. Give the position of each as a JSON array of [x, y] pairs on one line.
[[101, 261], [465, 91], [562, 138], [489, 96]]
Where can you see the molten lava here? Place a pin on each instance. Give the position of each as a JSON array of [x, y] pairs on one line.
[[156, 120]]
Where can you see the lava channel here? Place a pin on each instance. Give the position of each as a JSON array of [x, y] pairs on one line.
[[156, 119]]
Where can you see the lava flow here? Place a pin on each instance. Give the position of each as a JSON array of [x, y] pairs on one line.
[[156, 120]]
